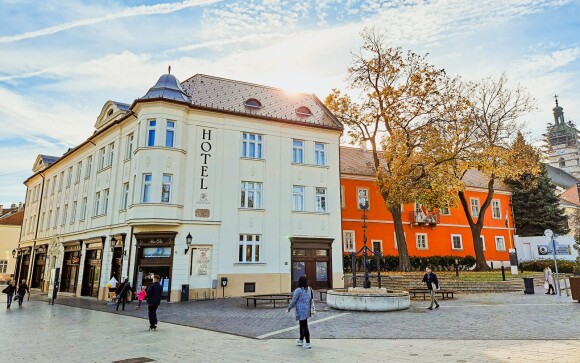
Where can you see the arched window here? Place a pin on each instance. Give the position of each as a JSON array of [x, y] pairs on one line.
[[110, 112], [253, 103], [303, 111], [562, 162]]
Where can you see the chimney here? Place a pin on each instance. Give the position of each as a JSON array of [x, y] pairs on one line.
[[13, 206], [19, 205]]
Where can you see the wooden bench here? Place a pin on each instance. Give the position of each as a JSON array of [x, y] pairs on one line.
[[445, 294], [269, 298]]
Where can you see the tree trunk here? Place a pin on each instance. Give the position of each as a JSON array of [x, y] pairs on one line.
[[480, 262], [404, 262]]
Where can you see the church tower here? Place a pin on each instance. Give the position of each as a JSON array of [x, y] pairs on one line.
[[563, 145]]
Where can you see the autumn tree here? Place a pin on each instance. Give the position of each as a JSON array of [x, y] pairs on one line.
[[403, 103], [496, 150]]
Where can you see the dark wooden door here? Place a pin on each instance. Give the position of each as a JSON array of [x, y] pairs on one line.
[[313, 258]]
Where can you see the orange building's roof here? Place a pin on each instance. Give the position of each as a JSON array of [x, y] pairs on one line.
[[357, 161], [571, 196], [14, 219]]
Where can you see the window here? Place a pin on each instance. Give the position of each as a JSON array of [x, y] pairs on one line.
[[151, 132], [298, 151], [3, 266], [499, 243], [53, 185], [56, 217], [341, 196], [61, 180], [456, 242], [102, 155], [474, 207], [363, 196], [47, 187], [170, 133], [321, 200], [129, 150], [421, 241], [105, 201], [298, 198], [166, 188], [125, 196], [495, 209], [79, 169], [111, 153], [253, 103], [319, 154], [482, 242], [348, 241], [445, 211], [97, 203], [377, 246], [251, 145], [146, 188], [303, 111], [41, 223], [561, 162], [69, 177], [251, 196], [84, 209], [249, 249], [74, 213], [64, 212], [89, 166], [49, 219]]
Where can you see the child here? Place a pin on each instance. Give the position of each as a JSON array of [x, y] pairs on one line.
[[142, 295]]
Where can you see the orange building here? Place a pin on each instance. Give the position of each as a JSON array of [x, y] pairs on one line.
[[445, 233]]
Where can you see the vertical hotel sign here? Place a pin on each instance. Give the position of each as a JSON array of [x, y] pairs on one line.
[[204, 173]]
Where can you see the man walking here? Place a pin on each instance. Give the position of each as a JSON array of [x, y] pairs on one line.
[[430, 278], [154, 292], [22, 290]]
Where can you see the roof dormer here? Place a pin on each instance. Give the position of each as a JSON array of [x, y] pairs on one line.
[[111, 111]]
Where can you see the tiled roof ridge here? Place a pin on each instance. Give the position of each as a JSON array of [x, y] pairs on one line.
[[247, 84]]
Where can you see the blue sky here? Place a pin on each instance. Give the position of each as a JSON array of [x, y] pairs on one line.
[[62, 60]]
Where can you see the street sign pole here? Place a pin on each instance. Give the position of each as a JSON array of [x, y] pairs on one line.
[[556, 264]]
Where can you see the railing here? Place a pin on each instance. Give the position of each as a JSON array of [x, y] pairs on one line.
[[420, 218]]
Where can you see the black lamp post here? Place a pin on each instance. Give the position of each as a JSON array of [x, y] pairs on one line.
[[188, 241], [363, 203]]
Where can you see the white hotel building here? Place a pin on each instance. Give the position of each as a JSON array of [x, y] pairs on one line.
[[249, 173]]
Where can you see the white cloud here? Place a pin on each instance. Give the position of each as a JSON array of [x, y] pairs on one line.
[[164, 8]]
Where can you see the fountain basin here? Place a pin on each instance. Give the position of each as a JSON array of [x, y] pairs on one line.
[[374, 299]]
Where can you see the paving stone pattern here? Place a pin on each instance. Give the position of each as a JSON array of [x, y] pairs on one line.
[[468, 316], [41, 332]]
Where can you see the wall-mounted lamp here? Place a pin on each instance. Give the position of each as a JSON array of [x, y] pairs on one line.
[[188, 240], [14, 253]]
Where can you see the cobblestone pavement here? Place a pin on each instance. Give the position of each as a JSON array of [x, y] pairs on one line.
[[468, 316], [41, 332]]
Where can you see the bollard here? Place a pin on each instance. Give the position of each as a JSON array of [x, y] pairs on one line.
[[503, 273]]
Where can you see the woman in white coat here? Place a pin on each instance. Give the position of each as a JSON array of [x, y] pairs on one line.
[[550, 280]]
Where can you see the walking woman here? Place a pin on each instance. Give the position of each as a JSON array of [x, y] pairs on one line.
[[549, 279], [9, 291], [302, 301], [123, 289]]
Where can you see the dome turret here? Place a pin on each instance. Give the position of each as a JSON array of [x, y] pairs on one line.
[[167, 87]]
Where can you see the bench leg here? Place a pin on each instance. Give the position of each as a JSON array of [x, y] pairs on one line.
[[255, 301], [274, 304]]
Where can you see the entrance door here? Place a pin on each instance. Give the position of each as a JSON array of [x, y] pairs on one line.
[[70, 271], [91, 273], [38, 271], [162, 271], [313, 258]]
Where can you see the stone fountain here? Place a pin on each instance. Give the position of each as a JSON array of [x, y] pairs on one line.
[[367, 298]]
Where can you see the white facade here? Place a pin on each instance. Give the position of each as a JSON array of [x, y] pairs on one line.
[[138, 194]]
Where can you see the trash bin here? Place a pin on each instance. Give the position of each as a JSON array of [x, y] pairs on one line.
[[575, 288], [185, 293], [528, 285]]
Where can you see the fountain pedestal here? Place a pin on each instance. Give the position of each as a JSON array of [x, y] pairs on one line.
[[373, 299]]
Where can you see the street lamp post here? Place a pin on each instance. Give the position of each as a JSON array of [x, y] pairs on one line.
[[364, 205]]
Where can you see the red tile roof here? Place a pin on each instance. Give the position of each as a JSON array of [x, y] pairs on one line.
[[358, 161], [13, 219]]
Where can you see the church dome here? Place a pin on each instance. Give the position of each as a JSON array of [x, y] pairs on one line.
[[167, 87]]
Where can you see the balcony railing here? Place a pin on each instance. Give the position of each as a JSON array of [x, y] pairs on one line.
[[418, 218]]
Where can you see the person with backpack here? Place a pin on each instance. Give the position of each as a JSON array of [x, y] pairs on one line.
[[9, 291], [302, 301]]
